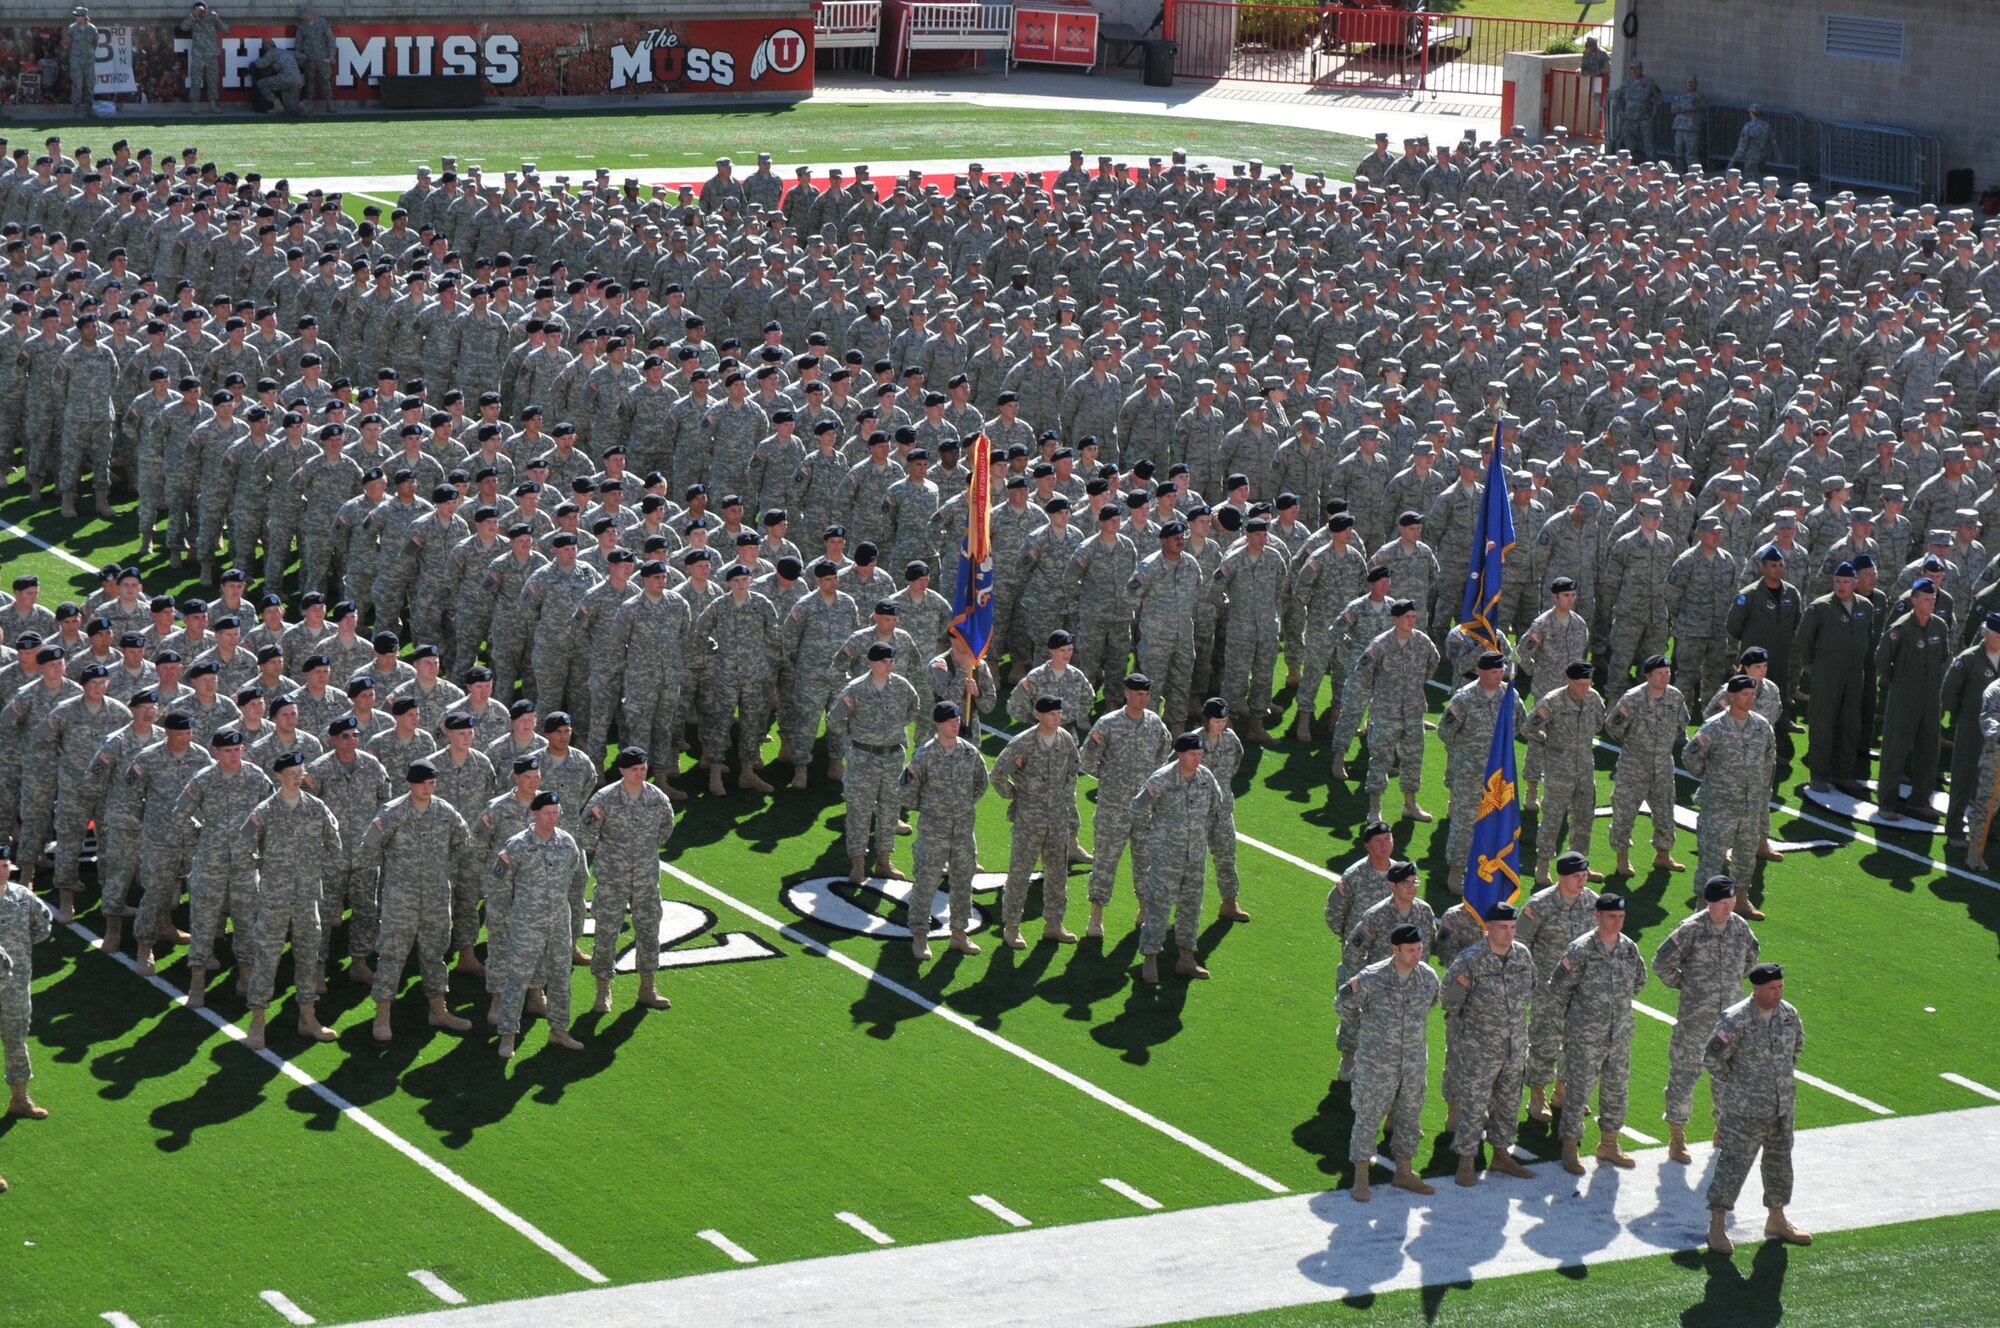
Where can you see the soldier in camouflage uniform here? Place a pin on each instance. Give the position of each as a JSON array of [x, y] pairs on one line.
[[166, 841], [1591, 991], [1179, 813], [540, 869], [1252, 583], [1362, 886], [1466, 726], [354, 787], [1167, 589], [1564, 725], [114, 807], [943, 783], [1733, 755], [25, 724], [872, 715], [1706, 959], [811, 635], [1701, 588], [1646, 722], [1486, 991], [87, 378], [204, 28], [291, 836], [1389, 1003], [1122, 749], [1222, 752], [1036, 774], [1329, 578], [223, 880], [549, 600], [24, 923], [416, 837], [1553, 917], [738, 638], [67, 743], [1102, 568], [1392, 672], [625, 827], [654, 638], [1751, 1061]]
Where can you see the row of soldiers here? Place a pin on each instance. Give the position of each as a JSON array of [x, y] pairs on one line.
[[1546, 990]]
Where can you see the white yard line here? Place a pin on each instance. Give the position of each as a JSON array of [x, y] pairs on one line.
[[1000, 1210], [437, 1286], [1801, 1075], [726, 1245], [1638, 1137], [367, 1122], [957, 1020], [1299, 1250], [282, 1303], [1972, 1084], [118, 1320], [866, 1228], [1144, 1200]]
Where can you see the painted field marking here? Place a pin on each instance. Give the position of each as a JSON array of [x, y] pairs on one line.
[[117, 1320], [958, 1020], [1798, 1074], [437, 1286], [726, 1245], [1638, 1137], [282, 1303], [367, 1122], [1117, 1186], [1972, 1084], [1000, 1210], [866, 1228]]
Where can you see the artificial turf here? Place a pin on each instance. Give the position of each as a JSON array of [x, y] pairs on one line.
[[780, 1091], [653, 139]]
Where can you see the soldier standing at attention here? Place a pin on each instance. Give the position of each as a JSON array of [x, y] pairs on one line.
[[1733, 755], [1123, 748], [354, 787], [222, 880], [873, 713], [1389, 1003], [1767, 613], [1222, 752], [1835, 642], [24, 921], [1755, 144], [79, 42], [1686, 106], [1646, 722], [1911, 661], [1564, 724], [1467, 729], [625, 825], [1592, 990], [1972, 671], [204, 28], [943, 783], [416, 837], [1706, 959], [1751, 1059], [292, 837], [1391, 674], [1179, 813], [1485, 995], [539, 871], [312, 43], [1037, 774]]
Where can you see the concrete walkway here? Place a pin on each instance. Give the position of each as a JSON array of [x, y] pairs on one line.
[[1301, 1249]]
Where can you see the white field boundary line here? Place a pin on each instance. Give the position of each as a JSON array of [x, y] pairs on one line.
[[286, 1308], [437, 1286], [1800, 1075], [959, 1021], [865, 1227], [1835, 826], [361, 1117], [1298, 1250], [726, 1245], [119, 1320], [1971, 1084], [1000, 1210], [1146, 1201]]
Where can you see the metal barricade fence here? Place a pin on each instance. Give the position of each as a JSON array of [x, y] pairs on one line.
[[1333, 46], [1881, 158]]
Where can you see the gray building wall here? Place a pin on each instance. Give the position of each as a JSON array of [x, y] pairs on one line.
[[1774, 51]]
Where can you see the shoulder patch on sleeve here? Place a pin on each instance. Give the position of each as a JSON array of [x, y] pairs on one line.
[[1568, 962], [505, 858], [1722, 1033]]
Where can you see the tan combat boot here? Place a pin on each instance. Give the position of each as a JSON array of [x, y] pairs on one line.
[[1078, 853], [964, 944], [1149, 971], [1468, 1170], [1778, 1227], [1571, 1162], [1339, 766], [1346, 1070], [1412, 812], [383, 1032], [649, 993], [603, 1003], [888, 870], [20, 1104], [1609, 1151], [559, 1037], [1094, 928], [506, 1046], [440, 1017], [1666, 860], [1507, 1164], [114, 935], [1232, 911], [255, 1039], [857, 869], [1718, 1232], [751, 780], [1677, 1143], [715, 781], [1538, 1104], [1624, 867], [197, 987], [1375, 806], [1406, 1179], [1011, 938], [310, 1026], [1362, 1194], [1189, 967], [1542, 866], [799, 776], [836, 769]]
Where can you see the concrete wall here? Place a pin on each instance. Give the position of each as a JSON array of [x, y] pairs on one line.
[[1774, 51]]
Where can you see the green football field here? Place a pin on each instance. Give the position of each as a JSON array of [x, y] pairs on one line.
[[812, 1085]]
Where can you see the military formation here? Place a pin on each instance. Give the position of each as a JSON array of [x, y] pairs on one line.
[[525, 471]]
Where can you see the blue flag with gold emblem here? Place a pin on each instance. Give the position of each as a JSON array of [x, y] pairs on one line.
[[1493, 874], [1491, 539]]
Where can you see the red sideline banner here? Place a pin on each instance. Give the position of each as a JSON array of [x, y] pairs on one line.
[[526, 59], [1055, 35]]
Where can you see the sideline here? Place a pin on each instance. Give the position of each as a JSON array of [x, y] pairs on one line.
[[1302, 1249]]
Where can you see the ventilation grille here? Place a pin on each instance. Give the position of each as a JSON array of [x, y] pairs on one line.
[[1864, 38]]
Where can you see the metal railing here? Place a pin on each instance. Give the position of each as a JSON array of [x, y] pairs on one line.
[[1323, 45], [1574, 100], [847, 24], [957, 27]]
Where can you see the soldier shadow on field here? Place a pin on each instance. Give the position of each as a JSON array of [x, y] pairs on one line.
[[1096, 972], [1731, 1300], [235, 1088], [1364, 1243], [1981, 902], [757, 823], [470, 1087], [1150, 1016], [1326, 1133]]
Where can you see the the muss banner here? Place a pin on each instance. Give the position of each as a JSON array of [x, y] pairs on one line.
[[511, 59]]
